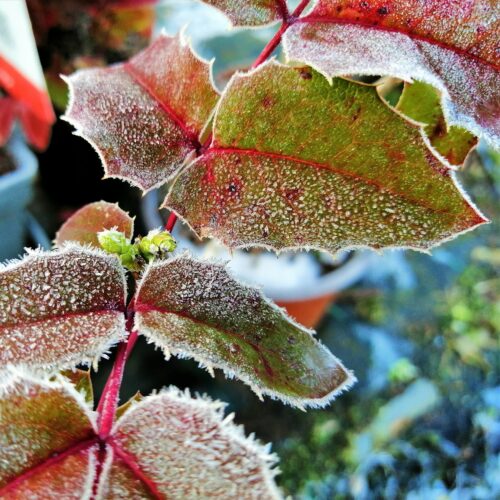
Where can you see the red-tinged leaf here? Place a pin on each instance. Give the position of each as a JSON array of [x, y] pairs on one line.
[[196, 309], [297, 162], [82, 382], [144, 117], [82, 227], [420, 101], [449, 44], [251, 12], [60, 308], [173, 446], [47, 445]]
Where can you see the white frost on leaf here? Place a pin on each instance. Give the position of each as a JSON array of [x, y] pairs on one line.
[[469, 89], [188, 449], [60, 308], [196, 309]]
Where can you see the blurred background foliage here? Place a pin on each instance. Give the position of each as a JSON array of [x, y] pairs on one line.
[[420, 331]]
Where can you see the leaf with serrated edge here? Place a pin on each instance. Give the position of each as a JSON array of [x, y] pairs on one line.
[[82, 383], [448, 44], [60, 308], [298, 163], [174, 446], [196, 309], [251, 12], [420, 102], [47, 448], [83, 226], [145, 116]]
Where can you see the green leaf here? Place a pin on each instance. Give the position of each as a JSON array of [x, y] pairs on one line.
[[46, 443], [82, 382], [297, 162], [82, 227], [421, 102], [196, 309], [60, 308], [145, 116], [173, 446], [449, 44], [251, 12]]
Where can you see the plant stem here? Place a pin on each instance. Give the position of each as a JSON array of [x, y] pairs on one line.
[[109, 398], [276, 40], [172, 219], [108, 403]]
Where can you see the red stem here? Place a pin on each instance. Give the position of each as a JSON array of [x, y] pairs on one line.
[[172, 219], [109, 399], [110, 395]]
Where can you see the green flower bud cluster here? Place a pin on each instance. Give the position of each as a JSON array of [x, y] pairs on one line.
[[132, 255]]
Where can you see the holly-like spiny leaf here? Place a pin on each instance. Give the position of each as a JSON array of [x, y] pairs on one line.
[[82, 227], [448, 44], [159, 448], [60, 308], [297, 162], [251, 12], [421, 102], [145, 116], [196, 309], [173, 446], [47, 448]]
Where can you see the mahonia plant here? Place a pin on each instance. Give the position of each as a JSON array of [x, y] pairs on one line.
[[291, 155]]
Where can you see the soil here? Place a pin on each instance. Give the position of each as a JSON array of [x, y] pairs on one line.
[[6, 163]]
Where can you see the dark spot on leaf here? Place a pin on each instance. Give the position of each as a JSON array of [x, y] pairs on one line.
[[267, 101], [292, 194], [292, 340], [233, 188], [305, 74], [382, 11], [440, 128]]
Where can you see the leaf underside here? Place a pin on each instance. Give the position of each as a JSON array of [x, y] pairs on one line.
[[296, 162], [251, 12], [196, 309], [61, 308], [450, 45], [159, 448], [82, 227], [421, 102], [144, 116]]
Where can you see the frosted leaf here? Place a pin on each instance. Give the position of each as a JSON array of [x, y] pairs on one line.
[[251, 12], [61, 308], [420, 102], [144, 116], [173, 446], [449, 44], [196, 309], [46, 444], [297, 162], [83, 226]]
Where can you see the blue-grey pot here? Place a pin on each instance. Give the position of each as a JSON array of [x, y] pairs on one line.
[[16, 191]]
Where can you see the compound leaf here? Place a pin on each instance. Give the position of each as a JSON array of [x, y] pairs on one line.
[[60, 308], [421, 102], [144, 116], [173, 446], [251, 12], [297, 162], [47, 448], [448, 44], [82, 227], [196, 309]]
